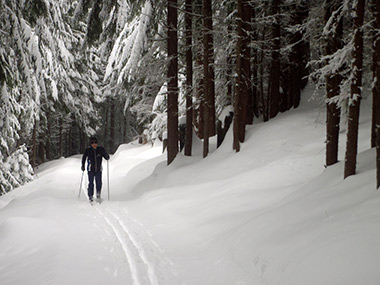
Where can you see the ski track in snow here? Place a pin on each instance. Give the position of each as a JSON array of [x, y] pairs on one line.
[[124, 245], [142, 253]]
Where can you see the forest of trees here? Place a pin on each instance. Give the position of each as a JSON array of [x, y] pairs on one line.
[[119, 69]]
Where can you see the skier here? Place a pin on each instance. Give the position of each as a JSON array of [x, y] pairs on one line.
[[94, 153]]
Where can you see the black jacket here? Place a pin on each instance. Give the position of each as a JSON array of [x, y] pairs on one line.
[[94, 156]]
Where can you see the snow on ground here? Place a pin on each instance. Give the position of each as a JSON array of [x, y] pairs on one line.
[[270, 214]]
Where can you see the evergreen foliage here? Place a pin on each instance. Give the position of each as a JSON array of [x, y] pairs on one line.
[[70, 69]]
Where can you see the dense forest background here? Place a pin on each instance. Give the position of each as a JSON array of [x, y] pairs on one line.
[[121, 69]]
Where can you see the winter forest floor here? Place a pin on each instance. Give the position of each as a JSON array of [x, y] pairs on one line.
[[270, 214]]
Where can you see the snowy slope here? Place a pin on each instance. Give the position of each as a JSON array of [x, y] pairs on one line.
[[271, 214]]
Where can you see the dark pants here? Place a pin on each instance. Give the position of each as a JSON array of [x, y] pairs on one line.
[[98, 179]]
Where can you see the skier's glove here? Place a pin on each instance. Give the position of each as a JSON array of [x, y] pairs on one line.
[[83, 168]]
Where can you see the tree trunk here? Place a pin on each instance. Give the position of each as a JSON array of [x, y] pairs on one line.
[[172, 81], [274, 78], [34, 146], [198, 74], [255, 54], [112, 139], [60, 137], [189, 78], [376, 89], [41, 149], [209, 84], [105, 133], [240, 101], [355, 96], [299, 56], [84, 141], [263, 99], [333, 42], [247, 73], [48, 137], [69, 145], [230, 57]]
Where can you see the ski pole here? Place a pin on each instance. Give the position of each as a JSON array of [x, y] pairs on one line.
[[80, 186], [108, 179]]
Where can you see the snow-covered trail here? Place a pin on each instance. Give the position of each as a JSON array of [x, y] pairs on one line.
[[270, 214], [50, 236]]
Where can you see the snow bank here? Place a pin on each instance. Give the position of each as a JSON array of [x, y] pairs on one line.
[[270, 214]]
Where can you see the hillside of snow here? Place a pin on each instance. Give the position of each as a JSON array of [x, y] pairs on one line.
[[270, 214]]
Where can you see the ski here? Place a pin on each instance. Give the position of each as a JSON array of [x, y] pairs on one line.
[[97, 201]]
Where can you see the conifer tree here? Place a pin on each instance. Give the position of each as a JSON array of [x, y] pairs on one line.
[[376, 87], [209, 77], [355, 96], [189, 77], [333, 41], [274, 78], [172, 81]]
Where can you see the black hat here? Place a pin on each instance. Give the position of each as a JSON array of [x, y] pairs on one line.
[[93, 139]]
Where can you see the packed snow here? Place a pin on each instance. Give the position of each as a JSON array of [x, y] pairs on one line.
[[270, 214]]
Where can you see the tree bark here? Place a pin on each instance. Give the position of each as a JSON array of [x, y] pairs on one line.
[[189, 78], [112, 138], [274, 78], [376, 89], [41, 149], [105, 134], [61, 137], [333, 42], [172, 81], [34, 146], [240, 101], [48, 137], [246, 65], [263, 99], [198, 105], [255, 54], [208, 71], [355, 96], [299, 56]]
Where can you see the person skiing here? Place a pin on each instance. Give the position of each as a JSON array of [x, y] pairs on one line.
[[94, 154]]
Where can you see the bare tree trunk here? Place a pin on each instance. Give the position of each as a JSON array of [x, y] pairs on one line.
[[355, 96], [41, 149], [300, 54], [255, 83], [69, 145], [125, 126], [48, 137], [274, 78], [211, 83], [332, 44], [209, 88], [198, 105], [264, 101], [61, 137], [376, 89], [247, 72], [34, 146], [105, 133], [84, 141], [172, 81], [229, 79], [240, 102], [112, 140], [189, 78]]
